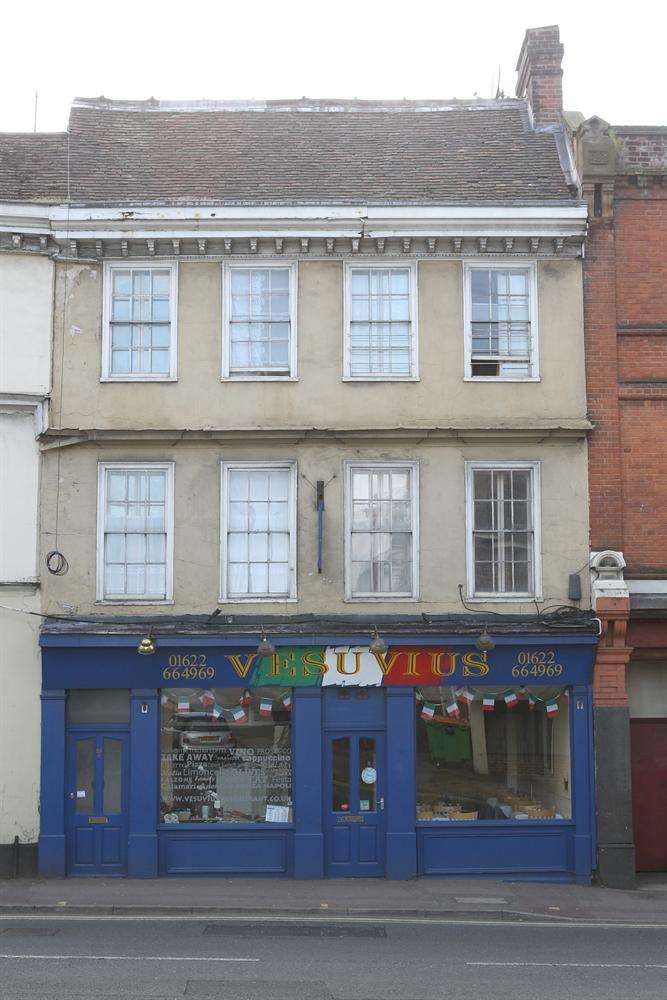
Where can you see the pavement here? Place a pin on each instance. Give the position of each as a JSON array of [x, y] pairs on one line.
[[434, 899]]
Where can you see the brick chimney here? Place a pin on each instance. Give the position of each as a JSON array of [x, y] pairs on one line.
[[540, 77]]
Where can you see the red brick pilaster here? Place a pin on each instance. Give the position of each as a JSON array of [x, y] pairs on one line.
[[609, 690]]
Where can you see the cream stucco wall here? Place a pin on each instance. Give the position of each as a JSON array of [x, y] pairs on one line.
[[20, 683], [320, 398], [19, 484], [197, 504], [26, 301]]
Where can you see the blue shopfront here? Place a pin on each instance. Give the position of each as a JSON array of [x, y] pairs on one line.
[[328, 758]]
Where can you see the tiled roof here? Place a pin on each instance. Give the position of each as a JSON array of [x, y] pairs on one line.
[[307, 152], [33, 167]]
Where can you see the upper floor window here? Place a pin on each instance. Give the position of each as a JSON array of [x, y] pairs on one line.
[[259, 321], [381, 536], [503, 529], [139, 327], [258, 531], [501, 322], [135, 532], [381, 322]]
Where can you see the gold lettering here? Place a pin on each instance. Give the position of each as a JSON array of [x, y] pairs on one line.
[[384, 665], [475, 665], [435, 664], [341, 657], [279, 663], [320, 665], [241, 668]]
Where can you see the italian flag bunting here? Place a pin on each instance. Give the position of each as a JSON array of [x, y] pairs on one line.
[[239, 714], [532, 702], [265, 707], [183, 706], [428, 711], [510, 699], [216, 711], [453, 709], [489, 704], [287, 701], [246, 698], [207, 699], [566, 694], [523, 694], [465, 695], [552, 709]]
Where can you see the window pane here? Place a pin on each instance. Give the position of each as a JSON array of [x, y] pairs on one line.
[[380, 322], [340, 757], [91, 706], [503, 538], [508, 763], [113, 765], [367, 774], [85, 776], [225, 768]]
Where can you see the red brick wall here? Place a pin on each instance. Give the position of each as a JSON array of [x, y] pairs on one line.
[[640, 226]]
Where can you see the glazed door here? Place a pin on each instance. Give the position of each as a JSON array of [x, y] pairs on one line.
[[354, 804], [97, 827], [648, 742]]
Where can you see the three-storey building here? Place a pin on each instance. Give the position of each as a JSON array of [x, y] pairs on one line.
[[318, 465]]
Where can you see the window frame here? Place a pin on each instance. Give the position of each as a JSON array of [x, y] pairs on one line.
[[356, 465], [245, 264], [255, 466], [384, 265], [483, 597], [107, 278], [131, 599], [501, 265]]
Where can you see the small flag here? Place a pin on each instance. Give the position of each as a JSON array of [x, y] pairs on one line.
[[239, 714], [523, 694], [489, 704], [552, 709], [418, 695], [511, 699], [217, 711], [453, 709], [246, 698], [465, 695], [265, 706], [287, 701], [207, 699], [566, 694], [428, 711], [532, 702], [164, 699], [183, 706]]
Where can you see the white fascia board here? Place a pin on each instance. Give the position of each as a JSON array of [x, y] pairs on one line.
[[25, 217]]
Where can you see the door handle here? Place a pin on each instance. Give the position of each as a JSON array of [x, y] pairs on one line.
[[72, 795]]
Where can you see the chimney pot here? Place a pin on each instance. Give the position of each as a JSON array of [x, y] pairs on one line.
[[540, 76]]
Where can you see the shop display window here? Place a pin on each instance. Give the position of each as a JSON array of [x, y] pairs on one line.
[[493, 754], [226, 755]]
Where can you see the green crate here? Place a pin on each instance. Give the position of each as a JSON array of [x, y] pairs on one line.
[[448, 743]]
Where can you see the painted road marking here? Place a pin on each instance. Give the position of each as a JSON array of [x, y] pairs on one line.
[[124, 958], [572, 965], [480, 899]]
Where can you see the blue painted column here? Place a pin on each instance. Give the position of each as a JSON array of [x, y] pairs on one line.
[[52, 844], [142, 851], [401, 795], [307, 778], [582, 783]]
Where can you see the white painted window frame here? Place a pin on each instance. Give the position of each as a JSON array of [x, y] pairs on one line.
[[384, 265], [168, 467], [501, 265], [500, 466], [245, 264], [255, 466], [139, 265], [349, 468]]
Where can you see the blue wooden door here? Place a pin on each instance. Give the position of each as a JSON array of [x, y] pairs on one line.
[[354, 804], [97, 821]]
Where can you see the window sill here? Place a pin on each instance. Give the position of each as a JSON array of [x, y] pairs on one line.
[[259, 599], [139, 378], [380, 598], [225, 825], [259, 378], [504, 598], [132, 602], [380, 378], [499, 378]]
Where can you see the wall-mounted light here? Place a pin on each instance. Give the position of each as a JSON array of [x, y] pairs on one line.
[[266, 647], [484, 642], [378, 645]]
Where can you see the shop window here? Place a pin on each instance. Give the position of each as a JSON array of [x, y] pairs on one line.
[[98, 707], [486, 754], [226, 756]]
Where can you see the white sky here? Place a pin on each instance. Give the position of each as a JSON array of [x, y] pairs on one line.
[[614, 52]]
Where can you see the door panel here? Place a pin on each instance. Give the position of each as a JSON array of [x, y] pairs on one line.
[[97, 820], [648, 742], [354, 804]]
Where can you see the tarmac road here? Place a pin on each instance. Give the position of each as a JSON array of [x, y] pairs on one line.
[[311, 958]]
